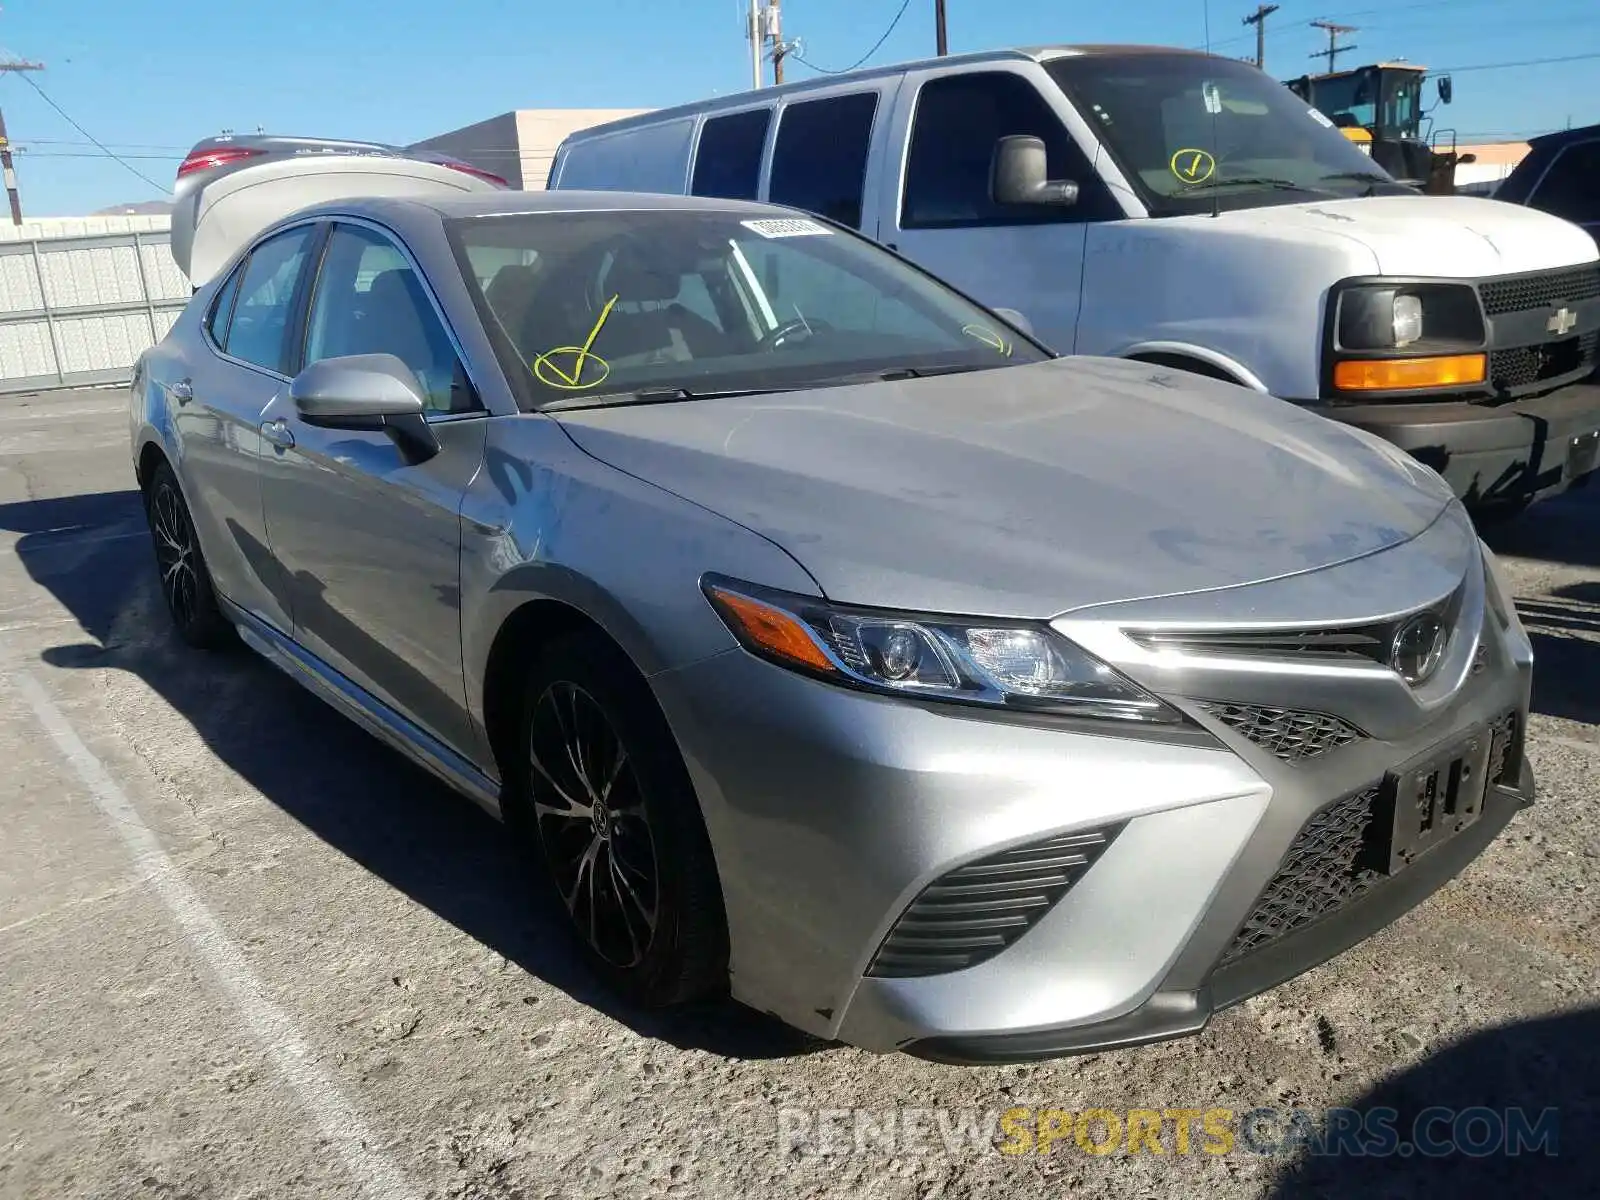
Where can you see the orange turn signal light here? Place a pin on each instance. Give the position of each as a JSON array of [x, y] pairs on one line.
[[1397, 374], [769, 628]]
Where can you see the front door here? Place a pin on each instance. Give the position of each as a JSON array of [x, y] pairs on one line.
[[371, 542], [943, 217]]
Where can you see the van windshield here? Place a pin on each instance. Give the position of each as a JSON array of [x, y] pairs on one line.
[[1193, 132], [620, 306]]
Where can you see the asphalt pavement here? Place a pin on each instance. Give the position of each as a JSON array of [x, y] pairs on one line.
[[246, 951]]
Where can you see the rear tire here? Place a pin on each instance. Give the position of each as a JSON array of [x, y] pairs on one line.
[[180, 566], [600, 797]]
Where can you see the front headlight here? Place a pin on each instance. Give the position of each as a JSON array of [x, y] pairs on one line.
[[1005, 664], [1389, 335]]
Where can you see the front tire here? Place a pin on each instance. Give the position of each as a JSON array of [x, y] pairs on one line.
[[601, 797], [181, 567]]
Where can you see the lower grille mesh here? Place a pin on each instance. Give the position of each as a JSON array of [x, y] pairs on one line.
[[977, 910], [1327, 866], [1321, 873], [1284, 732]]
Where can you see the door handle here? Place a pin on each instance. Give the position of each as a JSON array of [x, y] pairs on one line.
[[182, 391], [278, 433]]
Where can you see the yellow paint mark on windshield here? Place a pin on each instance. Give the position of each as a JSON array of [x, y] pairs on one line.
[[989, 337], [570, 378], [1193, 166]]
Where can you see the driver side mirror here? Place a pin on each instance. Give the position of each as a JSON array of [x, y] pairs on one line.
[[1446, 89], [1018, 175], [366, 391]]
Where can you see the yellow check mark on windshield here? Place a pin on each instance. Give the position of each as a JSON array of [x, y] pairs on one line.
[[583, 351]]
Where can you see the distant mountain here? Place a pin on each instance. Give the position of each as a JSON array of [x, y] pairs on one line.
[[142, 208]]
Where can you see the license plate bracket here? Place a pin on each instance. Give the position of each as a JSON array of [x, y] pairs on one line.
[[1428, 802]]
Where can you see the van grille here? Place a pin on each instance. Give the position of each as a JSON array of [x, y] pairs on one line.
[[1518, 366], [977, 910], [1547, 289]]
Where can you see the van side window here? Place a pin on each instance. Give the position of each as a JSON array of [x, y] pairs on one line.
[[958, 121], [728, 163], [820, 161]]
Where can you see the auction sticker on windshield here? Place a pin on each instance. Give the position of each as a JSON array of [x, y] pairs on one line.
[[782, 227]]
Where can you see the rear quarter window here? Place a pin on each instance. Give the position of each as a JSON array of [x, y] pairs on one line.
[[653, 158]]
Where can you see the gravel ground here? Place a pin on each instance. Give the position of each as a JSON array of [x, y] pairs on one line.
[[247, 952]]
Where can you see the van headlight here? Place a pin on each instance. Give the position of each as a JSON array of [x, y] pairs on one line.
[[1394, 336], [1003, 664]]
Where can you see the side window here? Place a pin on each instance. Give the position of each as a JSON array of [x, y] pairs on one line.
[[222, 307], [259, 330], [820, 161], [1571, 187], [958, 121], [728, 163], [369, 301]]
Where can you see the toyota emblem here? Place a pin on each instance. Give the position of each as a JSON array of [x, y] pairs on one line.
[[1418, 648]]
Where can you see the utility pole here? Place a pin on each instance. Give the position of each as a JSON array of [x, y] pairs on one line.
[[1334, 49], [940, 39], [5, 145], [756, 38], [1259, 20]]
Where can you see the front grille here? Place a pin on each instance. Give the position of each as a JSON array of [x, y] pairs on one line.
[[1283, 732], [1518, 366], [1322, 873], [1547, 289], [977, 910], [1329, 863]]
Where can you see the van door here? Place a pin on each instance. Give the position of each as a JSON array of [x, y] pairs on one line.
[[937, 209], [822, 158]]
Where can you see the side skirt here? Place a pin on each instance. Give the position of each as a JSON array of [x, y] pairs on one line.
[[365, 709]]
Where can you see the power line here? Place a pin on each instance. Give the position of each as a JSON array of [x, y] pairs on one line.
[[67, 117], [905, 4], [1527, 62], [1334, 49]]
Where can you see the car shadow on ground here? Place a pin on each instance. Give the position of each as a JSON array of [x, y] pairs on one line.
[[1551, 1063], [1564, 628], [360, 797], [1558, 530]]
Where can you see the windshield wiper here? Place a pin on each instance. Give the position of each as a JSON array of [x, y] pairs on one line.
[[1371, 179], [1277, 185], [651, 396]]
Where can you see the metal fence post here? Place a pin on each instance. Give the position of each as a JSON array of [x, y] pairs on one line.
[[49, 315]]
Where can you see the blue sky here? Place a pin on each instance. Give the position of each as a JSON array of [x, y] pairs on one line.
[[149, 80]]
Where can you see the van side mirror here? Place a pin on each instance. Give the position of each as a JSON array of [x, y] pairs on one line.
[[1446, 89], [1018, 175]]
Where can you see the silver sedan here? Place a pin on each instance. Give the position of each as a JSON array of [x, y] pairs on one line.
[[822, 637]]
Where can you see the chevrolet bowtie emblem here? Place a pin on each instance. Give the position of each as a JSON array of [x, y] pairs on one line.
[[1561, 321]]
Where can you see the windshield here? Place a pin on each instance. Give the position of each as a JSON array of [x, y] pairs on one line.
[[1193, 132], [603, 306]]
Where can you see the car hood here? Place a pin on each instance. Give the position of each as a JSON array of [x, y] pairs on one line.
[[1027, 491], [1456, 237]]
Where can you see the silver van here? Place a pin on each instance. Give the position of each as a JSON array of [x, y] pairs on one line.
[[1185, 209]]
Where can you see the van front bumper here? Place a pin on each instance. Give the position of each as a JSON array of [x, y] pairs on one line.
[[1492, 455]]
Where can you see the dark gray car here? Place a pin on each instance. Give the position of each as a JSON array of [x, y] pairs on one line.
[[824, 638]]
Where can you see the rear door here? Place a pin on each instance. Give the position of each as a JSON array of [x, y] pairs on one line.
[[371, 542], [939, 212], [247, 335]]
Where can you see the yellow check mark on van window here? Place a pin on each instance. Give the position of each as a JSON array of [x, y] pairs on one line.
[[544, 366], [1193, 166]]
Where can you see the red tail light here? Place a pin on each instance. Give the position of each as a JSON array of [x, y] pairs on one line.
[[475, 172], [204, 160]]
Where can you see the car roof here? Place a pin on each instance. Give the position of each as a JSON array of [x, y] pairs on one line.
[[1561, 137]]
